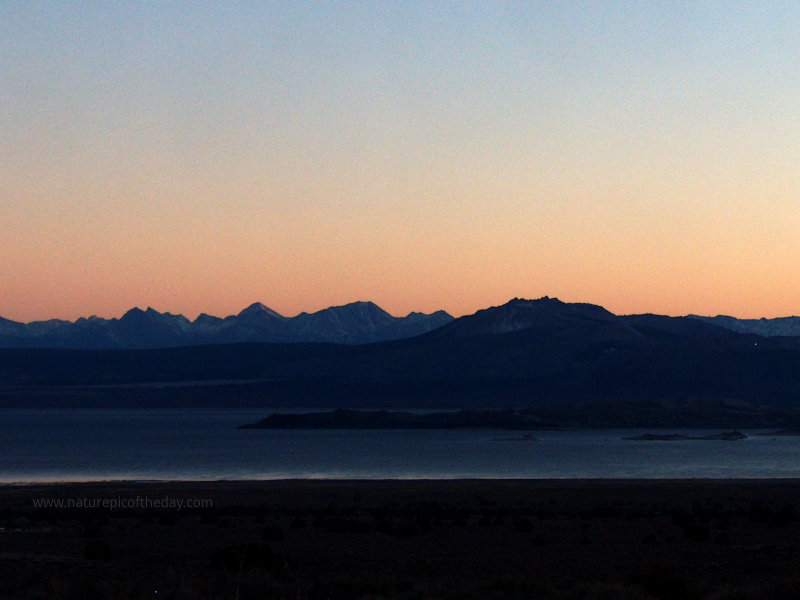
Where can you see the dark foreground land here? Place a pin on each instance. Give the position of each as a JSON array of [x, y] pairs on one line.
[[403, 539]]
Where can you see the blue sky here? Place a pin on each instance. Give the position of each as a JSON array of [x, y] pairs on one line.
[[201, 156]]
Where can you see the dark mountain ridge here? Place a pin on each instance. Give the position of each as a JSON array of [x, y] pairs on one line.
[[570, 363]]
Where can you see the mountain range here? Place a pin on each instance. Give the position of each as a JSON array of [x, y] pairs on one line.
[[570, 363], [355, 323]]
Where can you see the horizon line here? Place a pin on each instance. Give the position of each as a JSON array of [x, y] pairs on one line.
[[333, 306]]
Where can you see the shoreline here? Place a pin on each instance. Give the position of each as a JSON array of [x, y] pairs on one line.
[[367, 481], [415, 482], [288, 494]]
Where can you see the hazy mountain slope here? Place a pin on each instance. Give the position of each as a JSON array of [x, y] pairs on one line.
[[783, 326], [355, 323]]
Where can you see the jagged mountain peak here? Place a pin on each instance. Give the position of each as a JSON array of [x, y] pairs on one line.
[[206, 318], [362, 310], [149, 313], [554, 304], [530, 302], [259, 309], [132, 313], [353, 323], [358, 307], [91, 319], [531, 310]]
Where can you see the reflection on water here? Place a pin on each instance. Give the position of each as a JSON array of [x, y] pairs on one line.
[[48, 445]]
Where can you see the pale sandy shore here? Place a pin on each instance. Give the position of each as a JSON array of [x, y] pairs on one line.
[[720, 539]]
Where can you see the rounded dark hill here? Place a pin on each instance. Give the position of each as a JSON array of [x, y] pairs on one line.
[[523, 342], [532, 351], [519, 314]]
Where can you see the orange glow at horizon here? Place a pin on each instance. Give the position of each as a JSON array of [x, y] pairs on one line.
[[422, 157]]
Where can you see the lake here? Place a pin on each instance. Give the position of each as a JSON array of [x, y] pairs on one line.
[[83, 444]]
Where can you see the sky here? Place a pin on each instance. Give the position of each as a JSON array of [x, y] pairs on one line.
[[201, 156]]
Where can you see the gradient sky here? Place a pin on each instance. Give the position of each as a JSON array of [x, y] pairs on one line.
[[201, 156]]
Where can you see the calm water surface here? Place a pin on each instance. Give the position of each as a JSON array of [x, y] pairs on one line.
[[76, 445]]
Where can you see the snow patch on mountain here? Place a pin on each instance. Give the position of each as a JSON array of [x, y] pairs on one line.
[[782, 326]]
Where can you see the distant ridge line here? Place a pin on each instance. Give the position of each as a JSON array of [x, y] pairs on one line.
[[353, 323], [574, 363], [358, 322]]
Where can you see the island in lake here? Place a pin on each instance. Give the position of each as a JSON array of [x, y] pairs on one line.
[[782, 433], [342, 418], [727, 436], [521, 438]]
